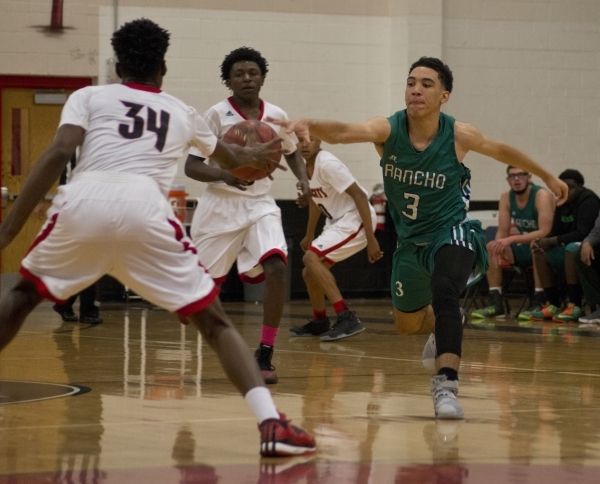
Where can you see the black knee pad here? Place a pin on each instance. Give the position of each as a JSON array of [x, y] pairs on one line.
[[452, 266], [448, 320]]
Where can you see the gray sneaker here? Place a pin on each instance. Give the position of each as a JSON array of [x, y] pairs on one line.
[[444, 393], [429, 353], [347, 325], [464, 315], [441, 437], [314, 327], [593, 318], [430, 350]]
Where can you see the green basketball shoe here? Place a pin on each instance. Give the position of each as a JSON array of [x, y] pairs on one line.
[[494, 308], [548, 311], [537, 303], [571, 314]]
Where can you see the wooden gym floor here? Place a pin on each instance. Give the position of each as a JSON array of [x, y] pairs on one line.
[[141, 399]]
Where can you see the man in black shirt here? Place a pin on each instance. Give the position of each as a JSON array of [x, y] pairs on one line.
[[588, 270], [555, 254]]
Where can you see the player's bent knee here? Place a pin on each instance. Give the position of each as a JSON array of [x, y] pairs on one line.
[[304, 273], [28, 292], [508, 255], [309, 259], [409, 323], [210, 322], [274, 267]]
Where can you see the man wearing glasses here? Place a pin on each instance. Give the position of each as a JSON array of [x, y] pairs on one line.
[[531, 209]]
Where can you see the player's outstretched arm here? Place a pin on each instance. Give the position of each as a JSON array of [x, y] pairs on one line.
[[362, 205], [374, 130], [45, 172], [469, 138]]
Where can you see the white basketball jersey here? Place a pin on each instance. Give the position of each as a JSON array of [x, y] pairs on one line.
[[328, 185], [226, 114], [134, 128]]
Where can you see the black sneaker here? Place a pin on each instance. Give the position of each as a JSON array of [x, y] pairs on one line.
[[67, 314], [263, 355], [494, 308], [91, 318], [314, 327], [347, 325]]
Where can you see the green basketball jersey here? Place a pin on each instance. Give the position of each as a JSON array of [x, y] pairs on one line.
[[526, 219], [428, 192]]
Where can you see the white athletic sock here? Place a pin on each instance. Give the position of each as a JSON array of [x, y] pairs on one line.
[[499, 289], [261, 403], [539, 289]]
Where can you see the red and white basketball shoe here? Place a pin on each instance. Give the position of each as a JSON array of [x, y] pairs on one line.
[[279, 438]]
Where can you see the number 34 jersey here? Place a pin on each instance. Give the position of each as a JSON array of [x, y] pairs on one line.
[[135, 128], [328, 185]]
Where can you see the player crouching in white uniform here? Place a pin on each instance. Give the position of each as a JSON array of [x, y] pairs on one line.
[[114, 217], [349, 228]]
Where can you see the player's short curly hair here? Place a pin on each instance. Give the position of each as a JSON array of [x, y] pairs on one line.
[[444, 72], [140, 46], [571, 174], [243, 54]]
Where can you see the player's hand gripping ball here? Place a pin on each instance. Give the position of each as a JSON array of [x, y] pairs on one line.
[[250, 133]]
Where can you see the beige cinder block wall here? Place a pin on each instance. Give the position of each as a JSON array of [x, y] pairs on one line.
[[525, 71]]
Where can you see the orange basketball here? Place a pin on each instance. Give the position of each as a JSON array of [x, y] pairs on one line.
[[255, 132]]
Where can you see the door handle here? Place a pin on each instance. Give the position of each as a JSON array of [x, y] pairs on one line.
[[13, 196]]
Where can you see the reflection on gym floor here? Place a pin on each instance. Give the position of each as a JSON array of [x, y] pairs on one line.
[[141, 398]]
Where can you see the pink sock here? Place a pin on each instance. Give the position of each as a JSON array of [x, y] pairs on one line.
[[339, 306], [268, 335]]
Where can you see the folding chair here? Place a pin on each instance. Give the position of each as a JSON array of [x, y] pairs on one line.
[[473, 292], [477, 288], [517, 291]]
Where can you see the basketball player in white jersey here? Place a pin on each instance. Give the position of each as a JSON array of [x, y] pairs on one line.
[[113, 217], [237, 220], [349, 228]]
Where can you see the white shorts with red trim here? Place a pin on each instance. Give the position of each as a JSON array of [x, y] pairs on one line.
[[343, 238], [118, 224], [226, 229]]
